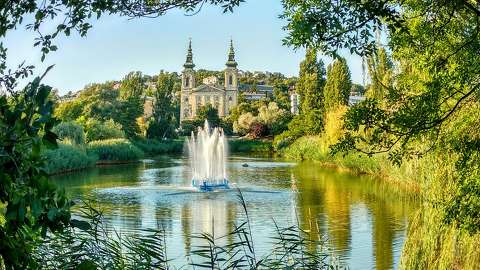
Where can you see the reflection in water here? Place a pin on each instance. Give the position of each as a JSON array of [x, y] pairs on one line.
[[363, 221]]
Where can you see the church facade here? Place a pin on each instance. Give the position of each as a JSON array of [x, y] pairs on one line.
[[223, 97]]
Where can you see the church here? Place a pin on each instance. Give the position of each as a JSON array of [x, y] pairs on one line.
[[222, 97]]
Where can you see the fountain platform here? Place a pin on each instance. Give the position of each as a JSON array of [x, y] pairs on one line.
[[207, 186]]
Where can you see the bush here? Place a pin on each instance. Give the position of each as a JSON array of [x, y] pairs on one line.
[[114, 150], [243, 146], [97, 130], [67, 158], [187, 126], [70, 131], [156, 147], [243, 124], [161, 130]]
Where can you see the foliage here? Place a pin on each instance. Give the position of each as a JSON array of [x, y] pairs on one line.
[[338, 85], [244, 123], [380, 69], [131, 95], [156, 147], [274, 118], [310, 83], [210, 114], [249, 146], [189, 126], [67, 158], [105, 248], [70, 131], [114, 150], [69, 110], [32, 204], [163, 123], [97, 130], [358, 89]]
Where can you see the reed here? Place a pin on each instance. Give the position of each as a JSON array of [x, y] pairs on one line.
[[67, 158], [91, 244], [114, 150]]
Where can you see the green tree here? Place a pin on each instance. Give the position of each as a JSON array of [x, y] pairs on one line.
[[70, 131], [163, 123], [132, 102], [209, 113], [31, 204], [281, 95], [310, 85], [338, 86], [380, 70], [311, 81]]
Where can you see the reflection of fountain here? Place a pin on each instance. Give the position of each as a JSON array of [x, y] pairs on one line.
[[207, 158]]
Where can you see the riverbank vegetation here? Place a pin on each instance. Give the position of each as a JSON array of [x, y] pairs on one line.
[[420, 119], [419, 122]]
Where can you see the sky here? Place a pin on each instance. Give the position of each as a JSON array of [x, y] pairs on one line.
[[117, 45]]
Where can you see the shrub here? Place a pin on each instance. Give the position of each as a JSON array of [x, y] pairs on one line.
[[67, 158], [70, 131], [243, 124], [114, 150], [187, 126], [156, 147], [97, 130], [161, 130], [243, 146]]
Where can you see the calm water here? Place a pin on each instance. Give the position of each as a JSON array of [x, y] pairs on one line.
[[363, 221]]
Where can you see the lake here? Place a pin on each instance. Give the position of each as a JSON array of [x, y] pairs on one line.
[[362, 219]]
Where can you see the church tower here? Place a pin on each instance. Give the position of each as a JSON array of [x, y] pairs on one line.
[[231, 80], [188, 84]]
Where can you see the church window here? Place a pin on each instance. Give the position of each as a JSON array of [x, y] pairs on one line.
[[187, 81], [230, 80], [230, 99]]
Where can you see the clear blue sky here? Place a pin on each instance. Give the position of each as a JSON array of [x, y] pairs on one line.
[[116, 46]]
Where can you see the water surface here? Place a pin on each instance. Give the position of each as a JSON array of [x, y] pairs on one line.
[[362, 219]]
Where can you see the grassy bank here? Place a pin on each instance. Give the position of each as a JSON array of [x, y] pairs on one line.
[[156, 147], [444, 233], [67, 158], [249, 146]]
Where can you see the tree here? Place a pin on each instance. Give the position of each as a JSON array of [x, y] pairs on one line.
[[70, 131], [209, 113], [280, 95], [338, 86], [380, 70], [310, 88], [311, 82], [163, 122], [32, 205], [132, 101], [436, 45], [358, 89]]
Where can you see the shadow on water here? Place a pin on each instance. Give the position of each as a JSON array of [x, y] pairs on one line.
[[363, 219]]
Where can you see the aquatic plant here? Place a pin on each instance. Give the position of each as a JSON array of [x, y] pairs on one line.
[[91, 244], [114, 150]]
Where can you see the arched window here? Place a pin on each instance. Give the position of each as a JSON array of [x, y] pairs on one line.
[[230, 80], [187, 81]]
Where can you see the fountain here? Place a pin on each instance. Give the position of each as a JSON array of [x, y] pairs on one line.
[[207, 158]]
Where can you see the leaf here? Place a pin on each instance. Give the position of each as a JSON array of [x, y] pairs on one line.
[[52, 213], [80, 224]]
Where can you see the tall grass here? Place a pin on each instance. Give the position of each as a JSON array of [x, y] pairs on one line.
[[95, 245], [249, 146], [114, 150], [156, 147], [66, 158]]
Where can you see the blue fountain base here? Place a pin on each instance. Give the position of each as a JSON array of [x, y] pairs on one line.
[[206, 186]]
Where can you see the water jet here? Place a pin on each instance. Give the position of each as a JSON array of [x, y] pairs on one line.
[[208, 157]]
